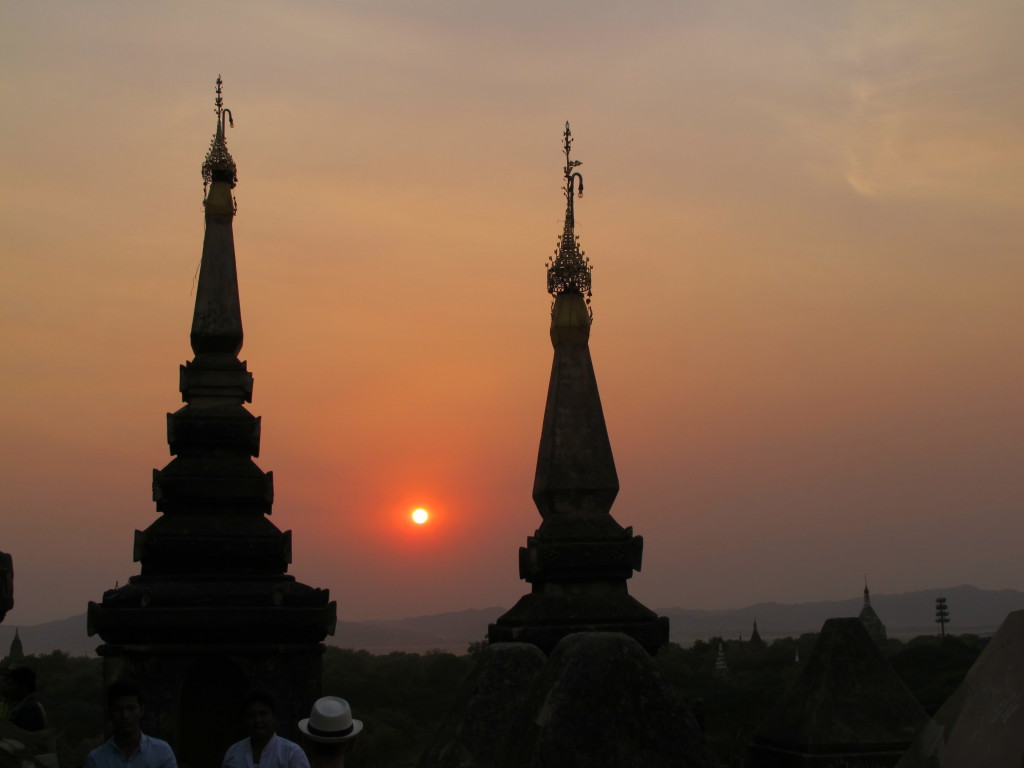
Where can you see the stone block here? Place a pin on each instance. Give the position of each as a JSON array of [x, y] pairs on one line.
[[982, 724], [601, 701], [475, 731]]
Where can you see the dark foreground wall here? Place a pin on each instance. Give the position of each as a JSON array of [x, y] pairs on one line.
[[847, 709], [599, 700], [982, 724]]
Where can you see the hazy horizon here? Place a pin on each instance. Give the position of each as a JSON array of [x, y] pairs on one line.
[[806, 231], [857, 599]]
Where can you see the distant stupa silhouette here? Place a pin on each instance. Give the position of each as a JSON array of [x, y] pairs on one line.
[[870, 619], [579, 559], [755, 637], [213, 613], [17, 651]]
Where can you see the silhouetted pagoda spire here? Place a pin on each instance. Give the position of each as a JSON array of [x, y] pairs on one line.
[[213, 601], [17, 651], [872, 623], [579, 559], [217, 321], [755, 637]]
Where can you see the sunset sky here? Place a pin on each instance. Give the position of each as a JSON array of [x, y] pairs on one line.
[[805, 220]]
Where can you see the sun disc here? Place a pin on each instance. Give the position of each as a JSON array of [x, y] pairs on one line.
[[420, 516]]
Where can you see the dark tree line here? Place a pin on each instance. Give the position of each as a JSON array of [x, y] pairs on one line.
[[403, 697]]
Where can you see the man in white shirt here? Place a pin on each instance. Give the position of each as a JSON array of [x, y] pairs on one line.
[[263, 748], [129, 747]]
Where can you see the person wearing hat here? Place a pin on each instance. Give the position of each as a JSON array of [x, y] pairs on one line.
[[329, 732], [263, 747]]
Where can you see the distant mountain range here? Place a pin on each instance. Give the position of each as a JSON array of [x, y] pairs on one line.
[[978, 611]]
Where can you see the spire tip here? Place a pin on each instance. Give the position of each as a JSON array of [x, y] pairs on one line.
[[219, 165], [569, 270]]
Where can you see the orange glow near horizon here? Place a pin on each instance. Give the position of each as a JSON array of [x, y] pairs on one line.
[[805, 309]]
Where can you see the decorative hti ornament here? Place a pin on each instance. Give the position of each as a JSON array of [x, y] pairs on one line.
[[219, 164], [569, 268]]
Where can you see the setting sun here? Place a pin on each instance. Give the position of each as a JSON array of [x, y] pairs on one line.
[[420, 516]]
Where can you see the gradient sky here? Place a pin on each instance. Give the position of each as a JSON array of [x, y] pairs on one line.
[[806, 226]]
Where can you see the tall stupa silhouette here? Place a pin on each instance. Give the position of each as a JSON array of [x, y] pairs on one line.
[[213, 613], [580, 558]]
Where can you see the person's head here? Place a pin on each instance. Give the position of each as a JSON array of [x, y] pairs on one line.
[[125, 705], [19, 683], [329, 731], [260, 718]]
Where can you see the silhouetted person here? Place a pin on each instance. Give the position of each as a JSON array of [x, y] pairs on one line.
[[329, 732], [19, 690], [129, 746], [263, 747]]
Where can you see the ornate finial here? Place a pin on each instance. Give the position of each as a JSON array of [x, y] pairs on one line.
[[219, 166], [219, 101], [569, 269], [570, 176]]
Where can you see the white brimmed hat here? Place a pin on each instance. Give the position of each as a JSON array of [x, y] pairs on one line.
[[330, 721]]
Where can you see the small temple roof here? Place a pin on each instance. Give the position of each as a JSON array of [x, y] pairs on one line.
[[846, 698]]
